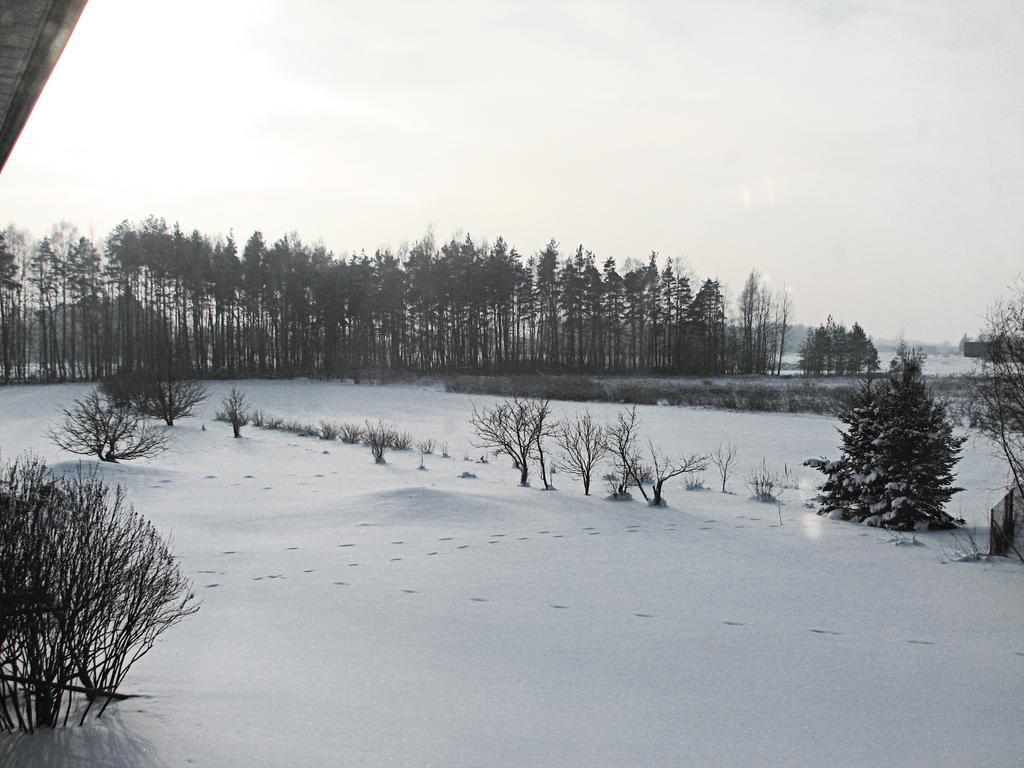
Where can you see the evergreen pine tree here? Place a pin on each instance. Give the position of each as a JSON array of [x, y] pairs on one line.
[[898, 455]]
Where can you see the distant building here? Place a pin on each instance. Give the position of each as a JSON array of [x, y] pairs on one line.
[[977, 349]]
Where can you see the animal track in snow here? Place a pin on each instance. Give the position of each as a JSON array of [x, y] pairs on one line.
[[644, 615], [554, 605], [921, 642], [825, 632], [479, 599], [735, 623]]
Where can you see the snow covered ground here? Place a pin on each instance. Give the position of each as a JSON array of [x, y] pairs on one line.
[[363, 615]]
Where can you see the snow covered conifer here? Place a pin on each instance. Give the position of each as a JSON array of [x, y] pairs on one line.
[[898, 454]]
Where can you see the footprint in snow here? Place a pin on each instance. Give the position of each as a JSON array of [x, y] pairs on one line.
[[446, 538], [218, 572], [543, 531], [644, 615], [562, 607], [704, 528], [346, 545], [353, 565], [394, 559], [166, 481], [479, 599], [588, 529], [633, 530], [309, 570], [247, 477], [921, 642], [230, 552], [340, 583], [268, 488], [463, 546], [739, 624], [824, 632], [497, 535], [211, 586], [558, 536], [257, 578], [1018, 653], [523, 538], [431, 553], [290, 548], [211, 477], [409, 591], [494, 542], [594, 533], [317, 475], [398, 542]]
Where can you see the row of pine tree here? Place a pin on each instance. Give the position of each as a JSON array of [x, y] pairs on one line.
[[152, 296]]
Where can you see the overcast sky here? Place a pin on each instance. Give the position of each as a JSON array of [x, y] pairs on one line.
[[869, 155]]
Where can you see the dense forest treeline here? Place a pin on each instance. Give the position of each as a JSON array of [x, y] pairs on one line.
[[153, 297]]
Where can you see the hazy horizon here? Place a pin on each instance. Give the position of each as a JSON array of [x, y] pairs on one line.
[[868, 155]]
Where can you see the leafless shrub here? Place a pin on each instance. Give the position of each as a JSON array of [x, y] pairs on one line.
[[426, 446], [378, 438], [663, 468], [723, 458], [167, 396], [399, 440], [258, 418], [620, 439], [235, 411], [444, 450], [998, 407], [86, 587], [517, 429], [328, 430], [694, 482], [350, 433], [274, 422], [767, 485], [97, 426], [583, 448]]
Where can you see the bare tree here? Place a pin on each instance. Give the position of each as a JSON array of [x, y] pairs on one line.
[[235, 411], [86, 587], [540, 414], [620, 438], [97, 426], [583, 448], [999, 391], [663, 468], [723, 457], [515, 428], [783, 314], [169, 397]]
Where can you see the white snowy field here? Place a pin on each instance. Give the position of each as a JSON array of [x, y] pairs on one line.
[[363, 615]]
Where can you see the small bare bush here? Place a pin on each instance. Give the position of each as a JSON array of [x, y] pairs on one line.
[[87, 586], [663, 469], [378, 438], [97, 426], [426, 446], [258, 418], [399, 440], [583, 448], [767, 485], [168, 396], [694, 482], [351, 433], [235, 411], [517, 429], [723, 458], [329, 430]]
